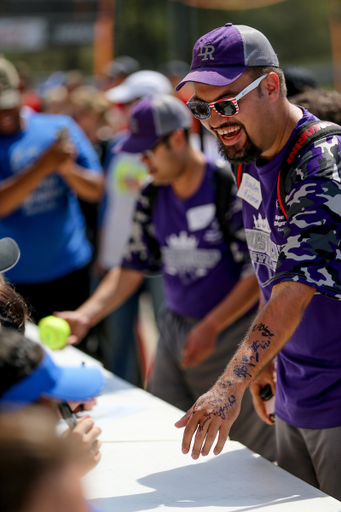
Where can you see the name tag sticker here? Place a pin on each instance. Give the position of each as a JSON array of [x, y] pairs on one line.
[[250, 191]]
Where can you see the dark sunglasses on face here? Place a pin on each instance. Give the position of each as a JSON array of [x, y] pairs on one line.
[[225, 107]]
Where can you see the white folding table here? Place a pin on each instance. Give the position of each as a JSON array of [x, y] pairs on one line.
[[142, 467]]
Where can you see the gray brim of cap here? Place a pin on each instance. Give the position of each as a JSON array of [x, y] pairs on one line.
[[217, 77], [9, 254]]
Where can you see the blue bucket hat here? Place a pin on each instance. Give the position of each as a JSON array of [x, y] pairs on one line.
[[56, 382]]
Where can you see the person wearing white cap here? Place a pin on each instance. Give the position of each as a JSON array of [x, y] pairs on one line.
[[139, 84], [124, 175]]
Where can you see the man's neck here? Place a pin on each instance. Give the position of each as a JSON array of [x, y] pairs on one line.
[[192, 175], [287, 119]]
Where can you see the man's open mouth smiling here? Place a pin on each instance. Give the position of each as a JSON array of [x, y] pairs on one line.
[[229, 134]]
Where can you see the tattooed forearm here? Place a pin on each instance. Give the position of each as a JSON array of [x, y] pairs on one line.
[[224, 383], [263, 329], [264, 342], [220, 401], [242, 368]]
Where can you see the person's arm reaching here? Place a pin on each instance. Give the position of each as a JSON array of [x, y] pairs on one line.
[[215, 411], [116, 287], [87, 184], [202, 338], [142, 254]]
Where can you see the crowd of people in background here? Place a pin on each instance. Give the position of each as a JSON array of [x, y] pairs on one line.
[[70, 196], [101, 107]]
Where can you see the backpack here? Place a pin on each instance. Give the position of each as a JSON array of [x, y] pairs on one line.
[[223, 182], [306, 135]]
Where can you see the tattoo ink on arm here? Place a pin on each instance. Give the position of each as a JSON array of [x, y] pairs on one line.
[[241, 368]]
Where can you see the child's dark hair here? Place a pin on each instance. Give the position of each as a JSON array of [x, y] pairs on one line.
[[13, 309], [19, 356]]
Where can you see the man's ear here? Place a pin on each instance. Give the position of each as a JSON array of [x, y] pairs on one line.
[[272, 86], [178, 139]]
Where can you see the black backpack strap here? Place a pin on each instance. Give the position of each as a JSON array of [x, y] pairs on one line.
[[223, 185], [151, 192], [307, 135]]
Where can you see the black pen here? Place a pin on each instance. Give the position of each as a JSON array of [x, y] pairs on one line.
[[67, 415]]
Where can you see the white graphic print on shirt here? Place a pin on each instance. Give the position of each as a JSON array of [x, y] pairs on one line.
[[183, 258], [263, 251]]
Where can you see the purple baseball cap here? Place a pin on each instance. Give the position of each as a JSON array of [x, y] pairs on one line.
[[152, 118], [222, 55]]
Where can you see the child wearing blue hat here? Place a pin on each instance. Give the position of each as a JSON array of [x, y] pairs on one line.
[[29, 376]]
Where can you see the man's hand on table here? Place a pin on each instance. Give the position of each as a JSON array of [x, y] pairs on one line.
[[212, 414]]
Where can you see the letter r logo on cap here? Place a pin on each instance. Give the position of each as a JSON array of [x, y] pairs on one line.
[[134, 125], [206, 52]]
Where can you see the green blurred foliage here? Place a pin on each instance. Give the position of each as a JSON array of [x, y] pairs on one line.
[[155, 31]]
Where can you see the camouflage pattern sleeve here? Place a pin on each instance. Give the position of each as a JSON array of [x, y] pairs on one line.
[[238, 245], [142, 251], [311, 254]]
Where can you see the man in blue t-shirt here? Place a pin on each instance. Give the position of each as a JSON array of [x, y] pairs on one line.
[[210, 286], [46, 164], [240, 96]]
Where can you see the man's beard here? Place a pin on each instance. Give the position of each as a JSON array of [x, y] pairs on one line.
[[247, 154]]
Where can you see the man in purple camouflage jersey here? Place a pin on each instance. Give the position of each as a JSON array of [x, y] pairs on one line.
[[210, 286], [297, 260]]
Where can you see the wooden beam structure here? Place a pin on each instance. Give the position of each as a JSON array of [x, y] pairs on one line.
[[104, 35]]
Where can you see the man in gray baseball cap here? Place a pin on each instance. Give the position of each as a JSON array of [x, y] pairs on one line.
[[154, 117], [288, 173], [124, 174], [188, 226]]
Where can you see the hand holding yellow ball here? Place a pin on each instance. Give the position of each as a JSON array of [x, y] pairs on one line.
[[54, 332]]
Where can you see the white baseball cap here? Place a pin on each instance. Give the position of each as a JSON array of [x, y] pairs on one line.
[[9, 83], [138, 85]]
